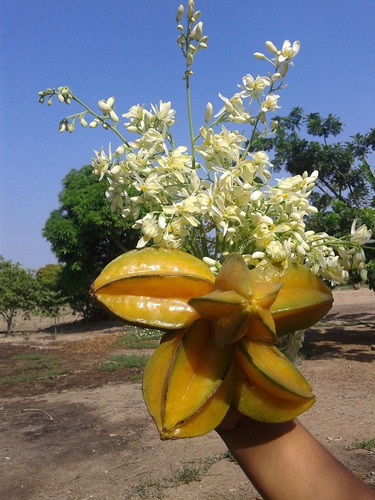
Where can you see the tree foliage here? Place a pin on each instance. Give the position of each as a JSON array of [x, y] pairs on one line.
[[50, 299], [18, 291], [85, 236], [303, 142]]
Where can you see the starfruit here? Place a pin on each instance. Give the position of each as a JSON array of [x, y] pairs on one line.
[[152, 286], [187, 383], [224, 354]]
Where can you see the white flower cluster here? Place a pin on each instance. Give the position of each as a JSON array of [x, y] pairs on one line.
[[224, 203]]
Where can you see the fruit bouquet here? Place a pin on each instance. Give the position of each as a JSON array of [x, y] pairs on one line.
[[224, 263]]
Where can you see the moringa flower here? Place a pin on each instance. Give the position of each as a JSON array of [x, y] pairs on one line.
[[106, 107], [288, 51], [360, 236]]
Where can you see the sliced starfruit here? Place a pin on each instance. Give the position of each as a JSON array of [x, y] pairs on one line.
[[187, 383], [152, 286], [266, 367], [256, 403], [302, 300]]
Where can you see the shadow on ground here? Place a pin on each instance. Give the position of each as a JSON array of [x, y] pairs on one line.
[[348, 336]]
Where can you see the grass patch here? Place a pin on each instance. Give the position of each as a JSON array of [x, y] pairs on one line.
[[227, 455], [139, 338], [35, 366], [24, 377], [131, 341], [123, 361], [149, 487], [187, 474], [364, 444], [37, 361]]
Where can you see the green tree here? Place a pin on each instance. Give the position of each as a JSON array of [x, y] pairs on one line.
[[18, 291], [306, 142], [85, 236], [50, 298]]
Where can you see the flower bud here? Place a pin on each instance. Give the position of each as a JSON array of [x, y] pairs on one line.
[[210, 262], [238, 119], [203, 45], [197, 15], [259, 55], [228, 106], [132, 129], [179, 13], [275, 77], [363, 274], [208, 112], [256, 195], [120, 150], [274, 124], [283, 69], [190, 9], [94, 123], [270, 47], [104, 106], [62, 126], [82, 121], [189, 59], [70, 128], [198, 31], [49, 102], [258, 255], [113, 116]]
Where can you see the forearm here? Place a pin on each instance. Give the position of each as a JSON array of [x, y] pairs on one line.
[[285, 462]]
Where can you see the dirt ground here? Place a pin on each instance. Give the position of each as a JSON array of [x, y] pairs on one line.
[[86, 434]]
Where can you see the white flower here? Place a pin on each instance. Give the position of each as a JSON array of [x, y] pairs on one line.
[[106, 107], [101, 163], [253, 87], [150, 186], [288, 51], [270, 103], [234, 106], [176, 163], [140, 120], [164, 113], [360, 236]]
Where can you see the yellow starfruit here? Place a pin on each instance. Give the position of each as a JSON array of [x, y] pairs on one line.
[[187, 383], [152, 286], [225, 353]]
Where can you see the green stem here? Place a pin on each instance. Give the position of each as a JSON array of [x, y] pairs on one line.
[[216, 244], [190, 120], [111, 127], [203, 240]]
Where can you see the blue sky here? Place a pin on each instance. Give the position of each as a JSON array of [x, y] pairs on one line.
[[127, 49]]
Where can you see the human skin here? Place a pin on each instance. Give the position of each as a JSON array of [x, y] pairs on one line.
[[284, 462]]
